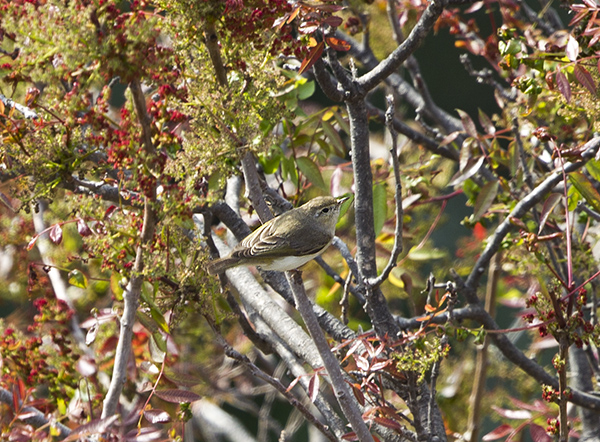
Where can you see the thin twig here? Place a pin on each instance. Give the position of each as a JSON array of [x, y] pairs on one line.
[[397, 247], [275, 383]]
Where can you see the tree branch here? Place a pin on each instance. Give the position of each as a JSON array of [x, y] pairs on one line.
[[342, 392], [132, 292], [397, 247]]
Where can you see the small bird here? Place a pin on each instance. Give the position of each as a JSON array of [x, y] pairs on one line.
[[288, 241]]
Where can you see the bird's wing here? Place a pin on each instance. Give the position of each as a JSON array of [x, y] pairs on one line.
[[265, 242], [261, 242], [318, 241]]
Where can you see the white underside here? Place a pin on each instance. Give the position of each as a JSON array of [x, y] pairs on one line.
[[288, 263]]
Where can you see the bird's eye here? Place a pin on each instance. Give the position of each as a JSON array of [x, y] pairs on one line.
[[325, 210]]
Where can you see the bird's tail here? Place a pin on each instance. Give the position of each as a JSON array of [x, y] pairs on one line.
[[220, 265]]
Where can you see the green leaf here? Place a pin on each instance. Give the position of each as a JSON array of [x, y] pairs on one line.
[[147, 322], [305, 90], [484, 200], [479, 336], [159, 319], [270, 162], [115, 286], [157, 346], [593, 167], [379, 207], [311, 171], [334, 138], [585, 189], [155, 312], [341, 121], [62, 407], [288, 170], [78, 279]]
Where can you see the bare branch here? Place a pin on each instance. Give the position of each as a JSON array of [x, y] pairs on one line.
[[27, 112], [328, 85], [397, 247], [211, 40], [342, 392]]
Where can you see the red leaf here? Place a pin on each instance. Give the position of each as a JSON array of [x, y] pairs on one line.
[[358, 394], [83, 228], [538, 434], [585, 79], [538, 406], [56, 234], [308, 27], [313, 56], [145, 434], [512, 414], [334, 21], [572, 49], [22, 390], [177, 396], [498, 432], [389, 423], [313, 387], [350, 436], [32, 242], [86, 367], [471, 168], [361, 362], [90, 336], [157, 416], [381, 365], [486, 123], [474, 7], [328, 8], [429, 308], [293, 15], [467, 123], [563, 85], [96, 426], [337, 44], [110, 211], [449, 138]]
